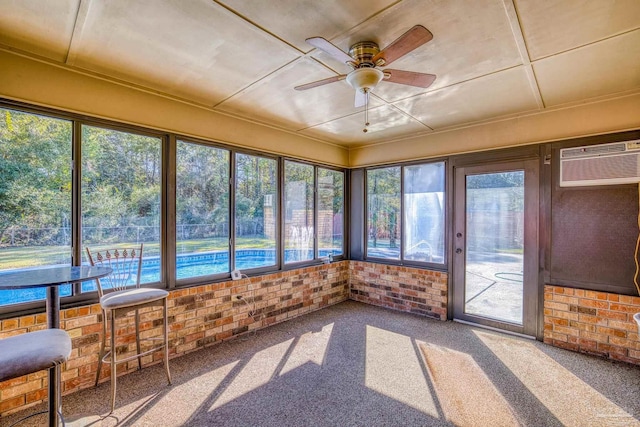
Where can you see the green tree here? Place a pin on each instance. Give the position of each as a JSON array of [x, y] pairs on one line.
[[202, 193], [35, 177], [121, 186], [383, 197]]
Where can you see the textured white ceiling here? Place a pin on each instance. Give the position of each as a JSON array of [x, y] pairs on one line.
[[492, 58]]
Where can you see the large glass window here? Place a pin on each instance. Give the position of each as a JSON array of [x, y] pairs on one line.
[[298, 212], [383, 213], [330, 212], [220, 224], [256, 203], [121, 188], [202, 210], [418, 192], [424, 213], [35, 196]]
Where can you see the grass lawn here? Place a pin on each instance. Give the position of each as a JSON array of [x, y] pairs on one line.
[[33, 256]]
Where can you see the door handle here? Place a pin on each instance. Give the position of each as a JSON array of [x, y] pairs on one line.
[[458, 251]]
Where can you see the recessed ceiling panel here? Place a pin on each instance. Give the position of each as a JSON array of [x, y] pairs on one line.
[[274, 100], [470, 39], [296, 20], [196, 49], [600, 69], [504, 93], [385, 123], [40, 27], [550, 27], [243, 58]]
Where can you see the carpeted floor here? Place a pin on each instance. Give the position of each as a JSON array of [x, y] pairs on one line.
[[358, 365]]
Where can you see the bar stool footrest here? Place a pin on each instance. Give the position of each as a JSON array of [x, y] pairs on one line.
[[107, 357]]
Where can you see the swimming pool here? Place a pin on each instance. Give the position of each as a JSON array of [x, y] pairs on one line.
[[187, 266]]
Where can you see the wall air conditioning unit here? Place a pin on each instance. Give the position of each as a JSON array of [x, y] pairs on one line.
[[603, 164]]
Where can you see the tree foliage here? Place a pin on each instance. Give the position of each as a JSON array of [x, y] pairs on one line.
[[35, 176], [121, 184], [202, 192], [256, 195], [383, 195], [121, 179]]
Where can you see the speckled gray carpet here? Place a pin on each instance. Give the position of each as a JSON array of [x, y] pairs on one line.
[[358, 365]]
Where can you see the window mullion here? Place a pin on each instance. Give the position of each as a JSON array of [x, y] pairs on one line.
[[232, 211], [76, 200], [280, 214], [316, 253], [401, 215], [168, 243]]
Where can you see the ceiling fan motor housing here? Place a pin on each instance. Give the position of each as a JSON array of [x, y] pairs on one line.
[[363, 53]]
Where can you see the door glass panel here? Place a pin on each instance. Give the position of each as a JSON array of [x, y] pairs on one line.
[[495, 246]]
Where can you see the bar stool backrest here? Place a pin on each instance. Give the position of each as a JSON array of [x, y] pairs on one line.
[[126, 264]]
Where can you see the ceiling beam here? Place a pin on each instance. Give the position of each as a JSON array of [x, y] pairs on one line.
[[78, 28], [516, 29]]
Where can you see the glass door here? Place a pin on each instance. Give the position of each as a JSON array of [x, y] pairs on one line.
[[495, 243]]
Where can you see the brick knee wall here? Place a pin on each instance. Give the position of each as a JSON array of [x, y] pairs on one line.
[[401, 288], [198, 316], [597, 323]]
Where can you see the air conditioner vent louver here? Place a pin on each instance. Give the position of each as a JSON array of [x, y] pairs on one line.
[[593, 150], [605, 164]]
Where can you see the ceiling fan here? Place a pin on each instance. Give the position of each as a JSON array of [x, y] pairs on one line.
[[365, 58]]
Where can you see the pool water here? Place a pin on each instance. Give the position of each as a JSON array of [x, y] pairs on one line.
[[187, 266]]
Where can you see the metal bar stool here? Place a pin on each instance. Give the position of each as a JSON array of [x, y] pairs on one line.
[[32, 352], [120, 293]]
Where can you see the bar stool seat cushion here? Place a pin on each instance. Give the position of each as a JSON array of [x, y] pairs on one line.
[[32, 352], [130, 297]]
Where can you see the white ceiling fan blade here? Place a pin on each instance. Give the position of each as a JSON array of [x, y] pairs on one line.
[[321, 82], [361, 99], [328, 47]]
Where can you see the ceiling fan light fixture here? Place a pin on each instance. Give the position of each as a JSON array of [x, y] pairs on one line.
[[365, 56], [364, 79]]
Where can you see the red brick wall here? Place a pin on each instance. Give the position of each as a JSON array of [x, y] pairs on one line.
[[598, 323], [198, 316], [407, 289]]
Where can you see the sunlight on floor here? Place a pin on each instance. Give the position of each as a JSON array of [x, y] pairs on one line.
[[550, 382], [311, 347], [452, 372], [191, 394], [257, 372], [394, 370]]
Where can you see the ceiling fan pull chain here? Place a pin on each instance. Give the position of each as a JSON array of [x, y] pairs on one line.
[[366, 110]]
